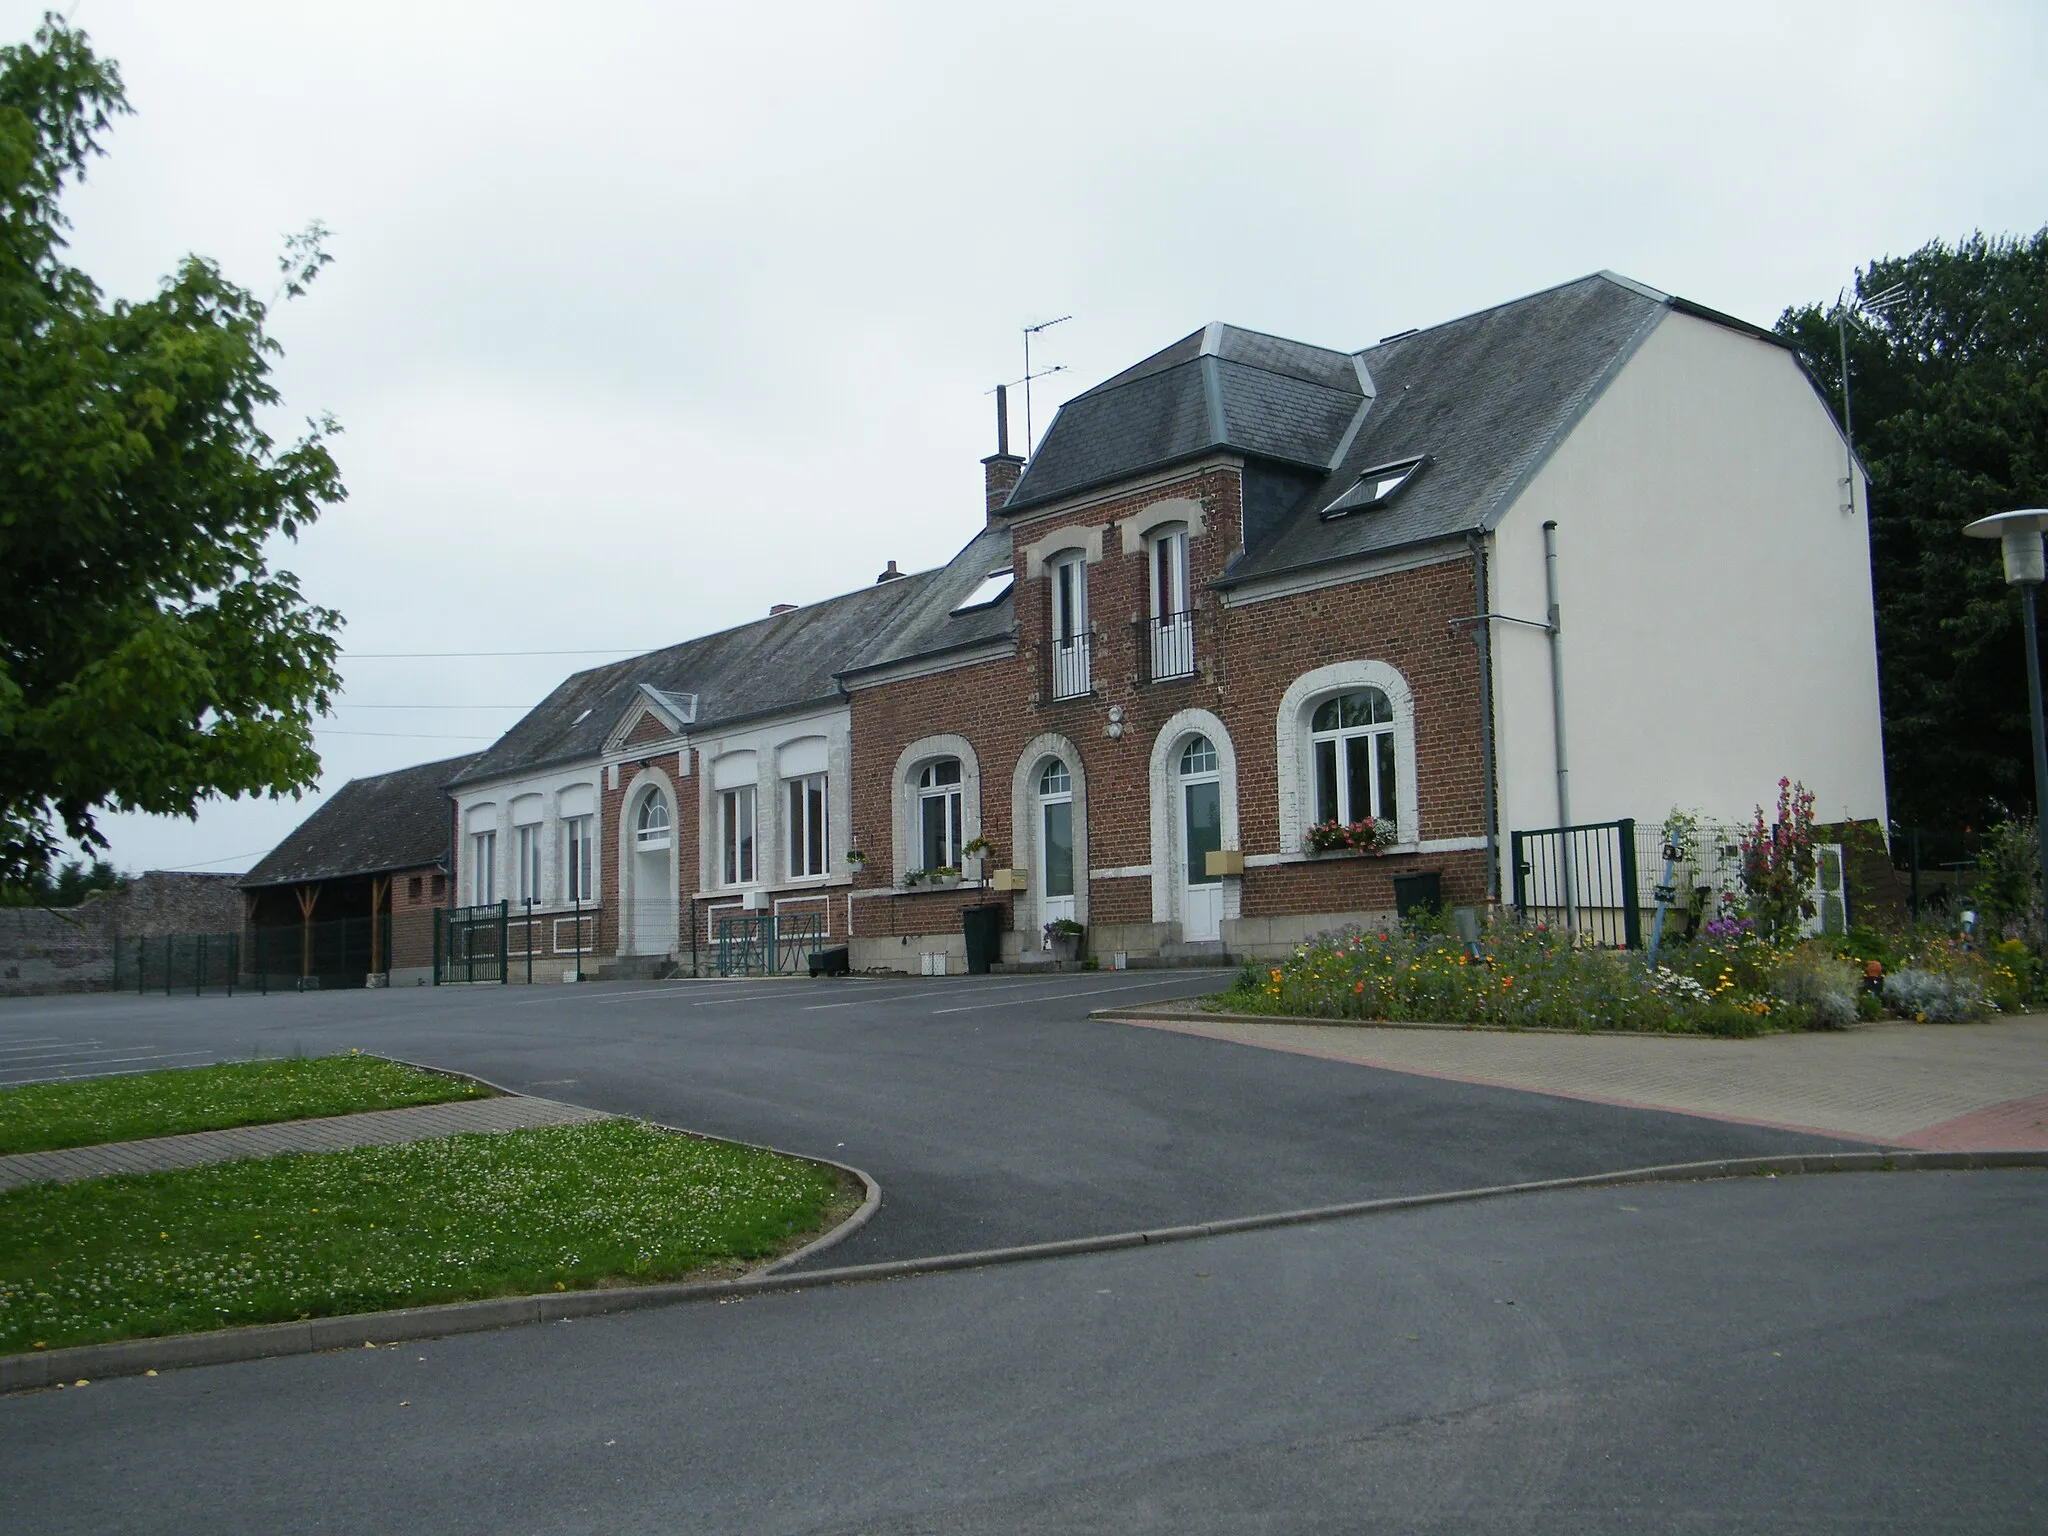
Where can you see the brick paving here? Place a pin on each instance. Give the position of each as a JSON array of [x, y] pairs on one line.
[[334, 1133], [1960, 1087]]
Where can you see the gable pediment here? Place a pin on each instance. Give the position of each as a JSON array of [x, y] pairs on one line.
[[655, 714]]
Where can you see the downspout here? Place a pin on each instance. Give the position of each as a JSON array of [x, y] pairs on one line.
[[1564, 793], [1483, 635]]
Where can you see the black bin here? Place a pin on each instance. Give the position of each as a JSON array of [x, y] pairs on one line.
[[1420, 892], [983, 926], [831, 962]]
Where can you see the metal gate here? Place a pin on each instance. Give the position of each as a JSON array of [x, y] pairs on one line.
[[470, 943], [1582, 880], [767, 945]]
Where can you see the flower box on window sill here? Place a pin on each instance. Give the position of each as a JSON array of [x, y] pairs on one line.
[[1367, 838]]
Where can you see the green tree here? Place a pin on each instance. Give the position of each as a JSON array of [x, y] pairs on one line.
[[66, 886], [149, 657], [1950, 392]]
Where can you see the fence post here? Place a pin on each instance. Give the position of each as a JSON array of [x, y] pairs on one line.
[[576, 905], [504, 937], [529, 941], [1631, 904], [1515, 870], [167, 965], [199, 968], [234, 960], [437, 946]]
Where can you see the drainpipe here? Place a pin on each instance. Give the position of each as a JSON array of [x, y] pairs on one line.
[[1482, 633], [1564, 793]]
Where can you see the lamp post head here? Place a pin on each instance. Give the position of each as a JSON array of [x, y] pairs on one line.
[[2019, 536]]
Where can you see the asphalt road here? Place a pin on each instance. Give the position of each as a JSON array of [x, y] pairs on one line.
[[992, 1110], [1818, 1354]]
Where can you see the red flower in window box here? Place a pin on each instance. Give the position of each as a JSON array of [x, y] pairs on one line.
[[1373, 835]]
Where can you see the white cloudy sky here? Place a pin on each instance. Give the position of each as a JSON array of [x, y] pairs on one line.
[[646, 316]]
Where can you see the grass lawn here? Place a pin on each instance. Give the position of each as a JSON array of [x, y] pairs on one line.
[[42, 1117], [275, 1239]]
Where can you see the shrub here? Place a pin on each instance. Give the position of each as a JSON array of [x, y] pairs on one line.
[[1822, 984], [1933, 997], [1777, 861]]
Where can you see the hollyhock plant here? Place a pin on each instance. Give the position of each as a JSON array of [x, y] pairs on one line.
[[1778, 862]]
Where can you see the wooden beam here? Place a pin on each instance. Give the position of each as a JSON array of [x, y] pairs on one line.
[[309, 896], [380, 889]]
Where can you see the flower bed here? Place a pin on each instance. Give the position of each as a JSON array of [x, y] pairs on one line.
[[1728, 982]]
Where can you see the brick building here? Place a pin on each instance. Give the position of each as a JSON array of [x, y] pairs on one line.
[[1246, 589]]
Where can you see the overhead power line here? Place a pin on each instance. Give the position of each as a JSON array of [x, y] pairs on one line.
[[619, 650], [328, 730]]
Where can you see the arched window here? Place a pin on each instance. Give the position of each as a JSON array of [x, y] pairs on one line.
[[650, 830], [1352, 737], [938, 814], [1055, 780], [1199, 756]]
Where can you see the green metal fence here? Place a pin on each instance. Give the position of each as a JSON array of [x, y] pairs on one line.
[[471, 943], [1582, 879], [298, 957], [762, 944]]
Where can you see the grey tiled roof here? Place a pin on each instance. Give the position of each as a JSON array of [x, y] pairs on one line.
[[927, 625], [786, 661], [397, 820], [1486, 398], [1219, 388]]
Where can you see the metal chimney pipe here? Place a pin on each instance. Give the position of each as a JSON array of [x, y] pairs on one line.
[[1002, 418]]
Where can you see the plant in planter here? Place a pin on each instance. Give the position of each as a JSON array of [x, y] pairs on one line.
[[1373, 835], [1063, 938], [912, 878], [944, 875], [973, 858]]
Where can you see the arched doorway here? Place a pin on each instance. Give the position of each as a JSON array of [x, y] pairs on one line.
[[1055, 870], [1201, 833], [651, 927]]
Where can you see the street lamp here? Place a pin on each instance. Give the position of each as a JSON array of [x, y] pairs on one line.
[[2019, 535]]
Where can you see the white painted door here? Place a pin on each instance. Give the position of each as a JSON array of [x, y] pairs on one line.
[[1201, 797], [1055, 842], [653, 929]]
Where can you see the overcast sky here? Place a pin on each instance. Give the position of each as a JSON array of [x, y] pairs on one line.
[[644, 317]]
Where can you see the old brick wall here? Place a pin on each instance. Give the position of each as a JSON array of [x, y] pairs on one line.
[[72, 950]]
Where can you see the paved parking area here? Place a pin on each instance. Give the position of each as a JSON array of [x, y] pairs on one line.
[[1861, 1352], [1938, 1087], [992, 1110]]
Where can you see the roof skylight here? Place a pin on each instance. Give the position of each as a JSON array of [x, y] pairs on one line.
[[1375, 487], [995, 586]]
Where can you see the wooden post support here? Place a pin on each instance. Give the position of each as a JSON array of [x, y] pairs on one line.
[[380, 888], [308, 896]]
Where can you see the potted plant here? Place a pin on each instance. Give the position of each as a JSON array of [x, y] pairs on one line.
[[1371, 836], [913, 878], [973, 857], [944, 878], [1063, 938], [857, 862]]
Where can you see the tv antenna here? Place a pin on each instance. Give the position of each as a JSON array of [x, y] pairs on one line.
[[1029, 332], [1860, 311]]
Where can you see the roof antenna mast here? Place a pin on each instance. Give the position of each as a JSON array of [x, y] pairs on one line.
[[1858, 311], [1029, 332]]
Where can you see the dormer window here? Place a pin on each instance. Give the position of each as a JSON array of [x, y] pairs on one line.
[[1375, 487], [994, 587]]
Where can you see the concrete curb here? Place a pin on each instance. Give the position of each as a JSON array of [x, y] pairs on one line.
[[265, 1341], [1141, 1015]]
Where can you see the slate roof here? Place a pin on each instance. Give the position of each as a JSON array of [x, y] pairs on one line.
[[927, 625], [783, 662], [1485, 398], [397, 820], [1222, 387]]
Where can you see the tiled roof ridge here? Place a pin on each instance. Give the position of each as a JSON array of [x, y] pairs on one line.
[[1603, 275]]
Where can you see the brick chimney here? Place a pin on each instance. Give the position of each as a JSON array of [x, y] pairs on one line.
[[891, 574], [1001, 469], [781, 608]]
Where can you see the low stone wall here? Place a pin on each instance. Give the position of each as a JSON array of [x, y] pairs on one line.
[[71, 949]]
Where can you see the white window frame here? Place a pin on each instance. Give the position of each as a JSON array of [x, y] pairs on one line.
[[953, 820], [1294, 758], [739, 836], [807, 837], [526, 840], [483, 867], [1068, 638], [1379, 759], [579, 859], [650, 836], [1169, 596]]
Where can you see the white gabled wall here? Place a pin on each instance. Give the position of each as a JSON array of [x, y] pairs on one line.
[[1716, 601]]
